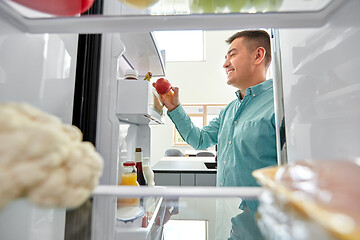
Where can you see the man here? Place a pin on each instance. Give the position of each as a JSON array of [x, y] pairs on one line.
[[245, 129]]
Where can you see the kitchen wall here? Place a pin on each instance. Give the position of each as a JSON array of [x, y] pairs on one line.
[[199, 82]]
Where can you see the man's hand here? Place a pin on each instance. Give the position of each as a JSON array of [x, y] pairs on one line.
[[170, 99]]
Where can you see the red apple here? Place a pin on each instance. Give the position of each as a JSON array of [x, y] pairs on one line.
[[162, 86], [58, 7]]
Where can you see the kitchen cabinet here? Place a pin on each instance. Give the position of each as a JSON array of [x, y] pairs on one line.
[[167, 179], [185, 179], [184, 171], [205, 179]]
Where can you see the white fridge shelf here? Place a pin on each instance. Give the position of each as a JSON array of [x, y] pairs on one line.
[[175, 192]]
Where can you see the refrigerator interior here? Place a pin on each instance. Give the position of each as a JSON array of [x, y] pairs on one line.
[[321, 88], [38, 69], [318, 63]]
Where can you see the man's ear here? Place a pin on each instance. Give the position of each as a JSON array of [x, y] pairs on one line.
[[259, 55]]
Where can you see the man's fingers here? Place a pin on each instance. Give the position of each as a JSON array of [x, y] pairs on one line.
[[176, 91]]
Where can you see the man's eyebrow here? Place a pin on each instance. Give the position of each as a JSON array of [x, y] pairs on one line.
[[230, 50]]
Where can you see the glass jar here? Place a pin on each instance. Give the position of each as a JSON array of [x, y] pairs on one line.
[[129, 174], [128, 177]]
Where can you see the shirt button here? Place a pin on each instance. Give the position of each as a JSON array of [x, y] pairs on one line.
[[230, 142], [224, 162]]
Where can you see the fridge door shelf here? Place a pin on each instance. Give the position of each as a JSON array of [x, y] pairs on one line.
[[137, 103], [142, 119], [122, 18], [152, 206], [141, 52]]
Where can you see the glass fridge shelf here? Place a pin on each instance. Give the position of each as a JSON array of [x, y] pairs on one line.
[[123, 16], [178, 7]]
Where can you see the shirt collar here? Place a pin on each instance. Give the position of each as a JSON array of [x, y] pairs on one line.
[[238, 95], [257, 89]]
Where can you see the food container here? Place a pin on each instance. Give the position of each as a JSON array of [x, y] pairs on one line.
[[304, 195], [130, 217]]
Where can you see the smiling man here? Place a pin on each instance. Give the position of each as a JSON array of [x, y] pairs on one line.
[[245, 129]]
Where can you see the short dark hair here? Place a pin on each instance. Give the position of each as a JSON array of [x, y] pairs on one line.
[[258, 38]]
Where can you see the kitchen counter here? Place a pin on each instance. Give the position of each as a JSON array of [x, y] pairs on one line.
[[184, 165], [185, 171]]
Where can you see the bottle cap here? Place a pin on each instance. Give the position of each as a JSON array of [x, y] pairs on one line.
[[131, 74], [138, 150], [129, 163]]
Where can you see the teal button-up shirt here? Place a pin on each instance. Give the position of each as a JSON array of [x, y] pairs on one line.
[[244, 132]]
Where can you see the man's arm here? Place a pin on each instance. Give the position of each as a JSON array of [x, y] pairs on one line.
[[194, 136]]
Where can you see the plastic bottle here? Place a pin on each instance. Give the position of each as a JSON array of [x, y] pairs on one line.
[[148, 173], [128, 177], [139, 168]]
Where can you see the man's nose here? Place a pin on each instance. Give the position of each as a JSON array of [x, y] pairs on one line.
[[226, 63]]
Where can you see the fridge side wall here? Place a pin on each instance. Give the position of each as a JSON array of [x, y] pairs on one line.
[[322, 87], [38, 69]]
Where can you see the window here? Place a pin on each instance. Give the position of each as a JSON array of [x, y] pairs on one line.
[[201, 115], [181, 45]]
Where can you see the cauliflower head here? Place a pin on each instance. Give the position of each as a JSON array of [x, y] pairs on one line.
[[43, 159]]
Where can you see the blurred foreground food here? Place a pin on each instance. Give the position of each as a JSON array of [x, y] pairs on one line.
[[43, 159], [220, 6], [323, 191], [142, 4]]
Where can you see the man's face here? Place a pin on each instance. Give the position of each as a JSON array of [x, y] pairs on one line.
[[238, 63]]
